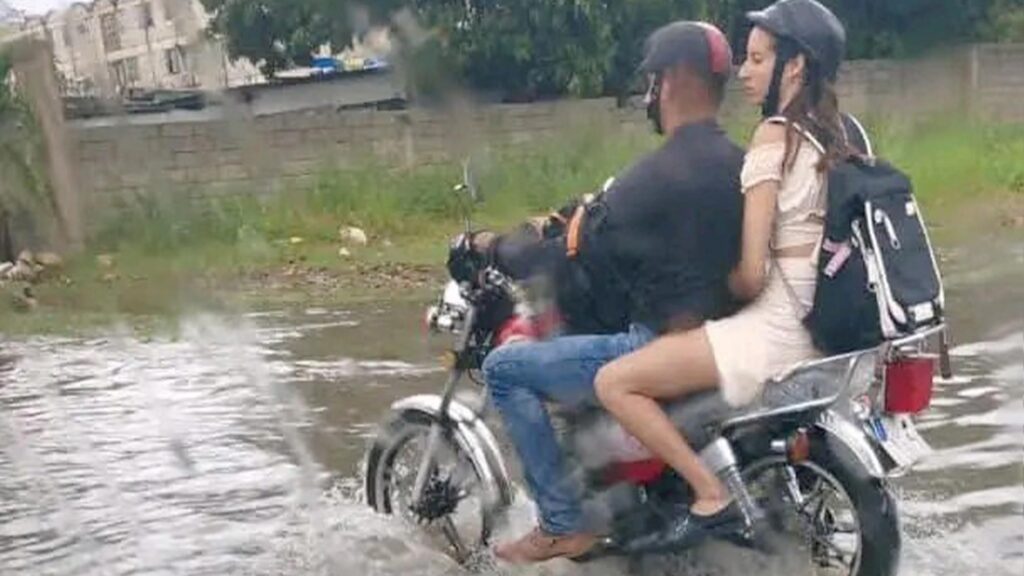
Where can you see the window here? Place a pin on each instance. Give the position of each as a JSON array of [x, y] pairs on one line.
[[125, 72], [145, 15], [174, 58], [111, 30]]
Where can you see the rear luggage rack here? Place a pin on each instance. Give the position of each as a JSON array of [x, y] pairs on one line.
[[816, 384]]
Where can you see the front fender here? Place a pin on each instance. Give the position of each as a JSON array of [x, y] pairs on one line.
[[475, 436], [841, 433]]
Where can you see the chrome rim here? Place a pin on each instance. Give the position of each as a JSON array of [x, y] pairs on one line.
[[451, 513], [811, 511]]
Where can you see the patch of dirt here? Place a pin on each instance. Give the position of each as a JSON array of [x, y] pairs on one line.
[[384, 278]]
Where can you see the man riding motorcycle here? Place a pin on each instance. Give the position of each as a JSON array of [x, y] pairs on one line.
[[664, 235]]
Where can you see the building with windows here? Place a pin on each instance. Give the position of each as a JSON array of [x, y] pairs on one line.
[[110, 46]]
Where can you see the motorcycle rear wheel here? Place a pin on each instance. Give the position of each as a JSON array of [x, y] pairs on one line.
[[847, 523]]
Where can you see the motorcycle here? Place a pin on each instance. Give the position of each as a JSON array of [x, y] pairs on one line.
[[808, 464]]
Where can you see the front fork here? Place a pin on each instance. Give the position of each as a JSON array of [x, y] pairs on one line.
[[441, 423], [434, 439]]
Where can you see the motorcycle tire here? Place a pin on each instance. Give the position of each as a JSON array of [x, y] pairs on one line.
[[390, 439], [872, 502]]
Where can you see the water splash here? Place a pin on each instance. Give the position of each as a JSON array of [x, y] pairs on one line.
[[229, 450]]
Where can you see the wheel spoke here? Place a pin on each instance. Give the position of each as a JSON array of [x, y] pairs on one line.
[[817, 497], [818, 509], [815, 509], [845, 529], [826, 553], [451, 533], [427, 463], [793, 486], [448, 511], [463, 471], [828, 543]]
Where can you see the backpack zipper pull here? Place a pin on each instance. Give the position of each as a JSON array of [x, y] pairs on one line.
[[883, 218]]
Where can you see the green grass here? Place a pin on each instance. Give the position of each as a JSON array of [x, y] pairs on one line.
[[174, 256], [402, 207], [951, 164], [956, 164]]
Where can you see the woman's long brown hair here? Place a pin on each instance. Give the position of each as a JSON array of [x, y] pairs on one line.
[[815, 108]]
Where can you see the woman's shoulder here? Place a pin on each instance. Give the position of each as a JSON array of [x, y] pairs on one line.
[[768, 132], [768, 135], [769, 139]]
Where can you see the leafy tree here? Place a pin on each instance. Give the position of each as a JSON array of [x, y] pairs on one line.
[[277, 34], [533, 47], [634, 21], [26, 199], [888, 28], [537, 48], [1005, 21]]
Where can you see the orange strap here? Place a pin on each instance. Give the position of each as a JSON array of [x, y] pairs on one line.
[[572, 236]]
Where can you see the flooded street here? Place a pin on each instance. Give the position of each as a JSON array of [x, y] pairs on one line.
[[235, 447]]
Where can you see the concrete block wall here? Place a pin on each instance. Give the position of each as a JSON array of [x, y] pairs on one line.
[[997, 81], [270, 153], [267, 154]]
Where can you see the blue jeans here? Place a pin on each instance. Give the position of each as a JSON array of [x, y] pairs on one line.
[[521, 377]]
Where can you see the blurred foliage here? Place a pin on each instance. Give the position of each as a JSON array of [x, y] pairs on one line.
[[25, 193], [1005, 21], [527, 49]]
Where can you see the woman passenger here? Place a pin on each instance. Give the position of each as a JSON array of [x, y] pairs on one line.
[[793, 55]]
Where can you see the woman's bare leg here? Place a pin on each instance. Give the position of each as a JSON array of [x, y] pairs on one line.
[[670, 367]]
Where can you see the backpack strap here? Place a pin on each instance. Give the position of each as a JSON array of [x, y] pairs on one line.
[[572, 234], [801, 309], [782, 120], [855, 130], [574, 226]]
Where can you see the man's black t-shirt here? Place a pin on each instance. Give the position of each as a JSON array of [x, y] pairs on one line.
[[673, 227], [667, 238]]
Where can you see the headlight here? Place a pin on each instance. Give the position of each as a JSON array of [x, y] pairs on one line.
[[452, 296], [450, 312]]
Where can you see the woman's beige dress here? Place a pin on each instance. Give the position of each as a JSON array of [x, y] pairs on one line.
[[767, 336]]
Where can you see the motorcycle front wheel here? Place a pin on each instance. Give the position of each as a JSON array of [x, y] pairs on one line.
[[453, 512], [827, 515]]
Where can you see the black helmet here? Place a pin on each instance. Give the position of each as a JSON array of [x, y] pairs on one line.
[[814, 29], [699, 45]]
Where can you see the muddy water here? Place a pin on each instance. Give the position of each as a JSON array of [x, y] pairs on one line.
[[234, 448]]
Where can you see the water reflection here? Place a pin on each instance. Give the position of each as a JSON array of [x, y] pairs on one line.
[[120, 455]]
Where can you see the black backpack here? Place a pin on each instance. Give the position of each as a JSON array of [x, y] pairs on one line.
[[877, 275]]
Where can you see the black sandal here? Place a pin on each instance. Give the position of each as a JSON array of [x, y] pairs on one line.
[[686, 530]]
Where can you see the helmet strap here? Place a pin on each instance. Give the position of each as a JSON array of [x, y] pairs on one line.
[[654, 104], [784, 52]]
